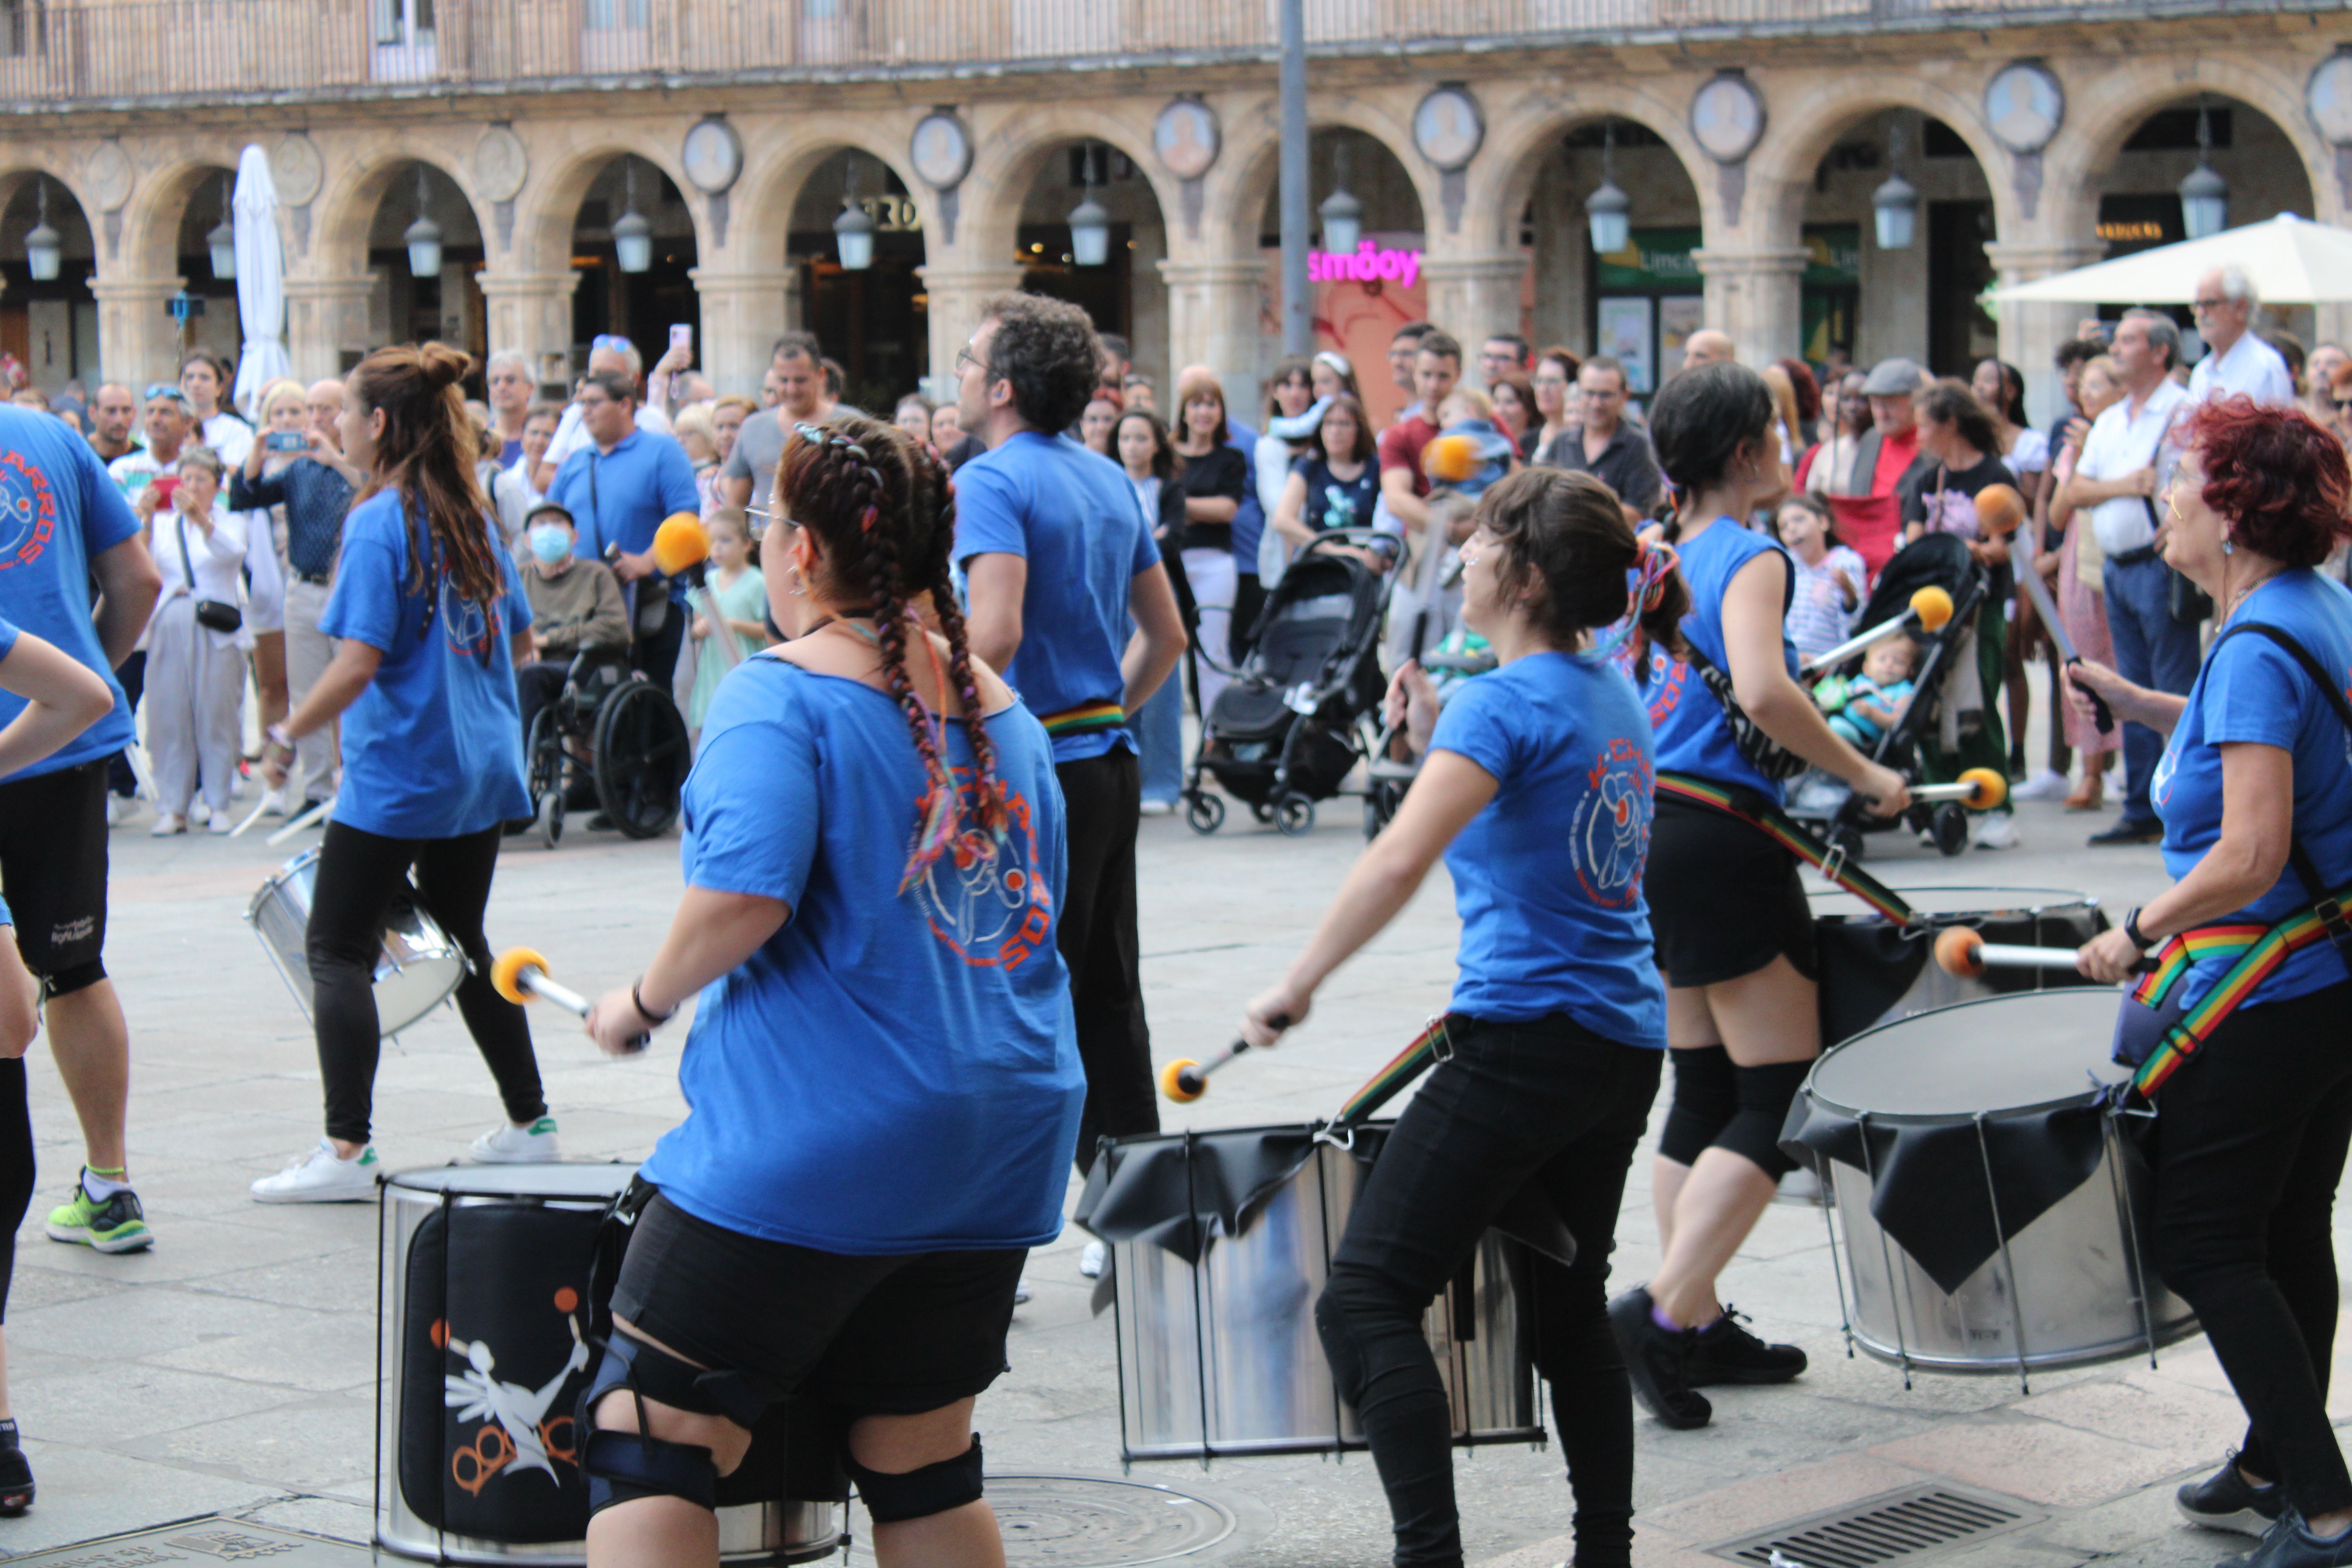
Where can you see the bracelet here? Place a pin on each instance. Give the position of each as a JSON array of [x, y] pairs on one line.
[[276, 736], [2137, 937], [637, 1000]]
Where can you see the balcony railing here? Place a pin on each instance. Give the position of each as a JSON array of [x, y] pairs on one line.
[[58, 54]]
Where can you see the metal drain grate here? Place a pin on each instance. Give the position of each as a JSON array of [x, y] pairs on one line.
[[1908, 1525], [1087, 1521]]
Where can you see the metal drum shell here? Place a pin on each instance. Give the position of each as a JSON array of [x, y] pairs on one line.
[[416, 973], [1223, 1358], [1856, 944], [751, 1534]]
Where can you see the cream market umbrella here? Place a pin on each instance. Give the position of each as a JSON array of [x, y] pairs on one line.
[[2292, 261], [260, 281]]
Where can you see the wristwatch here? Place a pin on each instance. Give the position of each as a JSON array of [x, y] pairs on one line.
[[2137, 937], [637, 1000]]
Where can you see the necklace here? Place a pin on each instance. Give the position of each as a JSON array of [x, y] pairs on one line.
[[846, 618]]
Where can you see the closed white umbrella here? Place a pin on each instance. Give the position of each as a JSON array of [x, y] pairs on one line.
[[260, 281], [2289, 260]]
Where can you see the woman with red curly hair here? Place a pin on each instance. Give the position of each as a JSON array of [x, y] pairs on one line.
[[2256, 796], [883, 1077]]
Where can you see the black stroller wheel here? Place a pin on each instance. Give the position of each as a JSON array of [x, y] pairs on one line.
[[1381, 803], [1951, 827], [1294, 815], [1205, 813]]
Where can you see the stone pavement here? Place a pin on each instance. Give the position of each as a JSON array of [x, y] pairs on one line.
[[231, 1370]]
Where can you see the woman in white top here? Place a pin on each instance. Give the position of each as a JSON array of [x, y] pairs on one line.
[[196, 674], [2001, 386]]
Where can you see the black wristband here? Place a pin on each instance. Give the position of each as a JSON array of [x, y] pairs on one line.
[[2139, 939], [637, 1000]]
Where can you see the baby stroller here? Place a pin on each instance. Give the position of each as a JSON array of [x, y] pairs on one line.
[[1290, 728], [1824, 804]]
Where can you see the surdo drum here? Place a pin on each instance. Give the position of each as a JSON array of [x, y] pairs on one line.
[[1875, 970], [482, 1300], [416, 973], [1220, 1243], [1988, 1218]]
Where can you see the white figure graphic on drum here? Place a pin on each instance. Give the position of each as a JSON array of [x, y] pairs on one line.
[[476, 1395]]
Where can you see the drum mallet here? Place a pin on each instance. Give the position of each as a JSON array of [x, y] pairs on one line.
[[1931, 607], [310, 818], [681, 546], [2037, 593], [1185, 1081], [1979, 789], [519, 975]]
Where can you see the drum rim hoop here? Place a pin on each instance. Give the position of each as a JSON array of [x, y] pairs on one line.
[[2083, 1097]]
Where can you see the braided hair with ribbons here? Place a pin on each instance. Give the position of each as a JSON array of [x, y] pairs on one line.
[[884, 509]]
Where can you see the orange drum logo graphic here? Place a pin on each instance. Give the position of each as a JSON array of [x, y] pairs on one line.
[[987, 901], [516, 1431], [1612, 835], [28, 510], [1663, 689]]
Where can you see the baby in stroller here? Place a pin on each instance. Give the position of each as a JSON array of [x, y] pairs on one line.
[[1870, 704]]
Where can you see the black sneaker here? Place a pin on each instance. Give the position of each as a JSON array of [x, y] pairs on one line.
[[1723, 1351], [2227, 1500], [1658, 1361], [15, 1474], [2129, 832], [2289, 1543]]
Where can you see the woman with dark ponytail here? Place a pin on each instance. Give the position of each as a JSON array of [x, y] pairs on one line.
[[1537, 790], [882, 1077], [432, 621]]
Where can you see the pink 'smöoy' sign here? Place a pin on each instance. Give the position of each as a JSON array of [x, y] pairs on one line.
[[1370, 263]]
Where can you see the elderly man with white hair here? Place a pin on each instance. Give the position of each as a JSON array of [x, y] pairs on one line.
[[508, 382], [2237, 359]]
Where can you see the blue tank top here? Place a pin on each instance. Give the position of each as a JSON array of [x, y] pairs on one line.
[[1692, 734]]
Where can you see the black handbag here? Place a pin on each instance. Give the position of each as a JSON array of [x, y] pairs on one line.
[[211, 613]]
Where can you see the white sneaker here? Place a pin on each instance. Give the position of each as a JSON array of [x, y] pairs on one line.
[[2047, 784], [1158, 808], [320, 1175], [199, 812], [167, 825], [273, 803], [1093, 1259], [113, 809], [1021, 1291], [1995, 830], [507, 1144], [221, 826]]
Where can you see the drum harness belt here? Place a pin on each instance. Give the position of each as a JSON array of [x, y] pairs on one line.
[[1084, 719], [2259, 950], [1754, 809]]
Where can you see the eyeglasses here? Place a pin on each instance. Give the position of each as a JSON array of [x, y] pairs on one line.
[[2203, 306], [965, 360], [2342, 405]]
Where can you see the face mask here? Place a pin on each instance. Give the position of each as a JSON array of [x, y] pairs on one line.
[[551, 544]]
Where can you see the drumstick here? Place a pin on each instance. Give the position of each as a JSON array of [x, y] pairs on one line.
[[2102, 717], [1931, 607], [250, 817], [1980, 789], [311, 815], [1185, 1081], [519, 975], [1963, 953]]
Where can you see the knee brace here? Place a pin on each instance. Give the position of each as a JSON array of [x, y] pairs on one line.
[[917, 1494], [1706, 1097], [77, 977], [1765, 1095], [622, 1467]]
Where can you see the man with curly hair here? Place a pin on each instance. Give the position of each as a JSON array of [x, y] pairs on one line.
[[1061, 563]]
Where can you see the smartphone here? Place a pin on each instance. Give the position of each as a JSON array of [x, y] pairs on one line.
[[163, 485], [286, 441], [682, 337]]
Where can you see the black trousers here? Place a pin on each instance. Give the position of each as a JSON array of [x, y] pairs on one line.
[[132, 673], [16, 1166], [1102, 802], [359, 874], [1549, 1103], [2249, 1142], [537, 684]]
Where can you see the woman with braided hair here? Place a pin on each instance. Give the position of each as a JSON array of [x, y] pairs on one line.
[[432, 622], [882, 1075]]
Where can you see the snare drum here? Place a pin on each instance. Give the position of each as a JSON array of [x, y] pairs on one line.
[[1987, 1217], [1220, 1243], [417, 969], [482, 1298], [1874, 970]]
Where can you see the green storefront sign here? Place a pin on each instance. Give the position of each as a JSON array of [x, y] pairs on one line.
[[1835, 259], [1655, 260]]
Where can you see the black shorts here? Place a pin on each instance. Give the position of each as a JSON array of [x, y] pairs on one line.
[[868, 1336], [1724, 899], [53, 873]]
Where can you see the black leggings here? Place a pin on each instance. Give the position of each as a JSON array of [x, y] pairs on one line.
[[1102, 799], [359, 874], [16, 1165], [1544, 1102], [2249, 1140]]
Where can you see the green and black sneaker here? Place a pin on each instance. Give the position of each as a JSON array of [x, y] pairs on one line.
[[117, 1225]]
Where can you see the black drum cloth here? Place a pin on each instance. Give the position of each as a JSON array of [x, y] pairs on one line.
[[1868, 965]]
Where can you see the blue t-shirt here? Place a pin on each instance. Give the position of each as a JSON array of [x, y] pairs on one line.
[[1072, 515], [1694, 734], [621, 498], [2251, 689], [1548, 877], [890, 1073], [433, 748], [58, 512]]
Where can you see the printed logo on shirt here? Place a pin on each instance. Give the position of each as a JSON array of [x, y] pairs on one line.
[[2159, 786], [28, 510], [1663, 689], [990, 901], [465, 625], [1611, 837]]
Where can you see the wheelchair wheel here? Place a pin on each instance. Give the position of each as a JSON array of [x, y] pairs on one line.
[[642, 758], [551, 818], [542, 754]]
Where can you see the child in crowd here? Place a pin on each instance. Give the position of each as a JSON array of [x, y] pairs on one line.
[[1478, 453], [739, 595], [1866, 707], [1830, 578]]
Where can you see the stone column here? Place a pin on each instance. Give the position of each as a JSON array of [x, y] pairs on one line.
[[954, 296], [1212, 320], [326, 319], [531, 312], [2029, 334], [742, 312], [1471, 296], [1752, 294], [137, 341]]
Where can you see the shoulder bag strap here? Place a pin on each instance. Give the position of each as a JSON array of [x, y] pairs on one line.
[[2323, 901]]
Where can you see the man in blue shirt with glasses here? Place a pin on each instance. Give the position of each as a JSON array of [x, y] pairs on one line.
[[618, 487]]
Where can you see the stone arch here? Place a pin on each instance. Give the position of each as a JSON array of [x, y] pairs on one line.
[[26, 159], [550, 204], [1012, 153], [1257, 162], [151, 220], [1823, 109], [354, 192], [1524, 134], [777, 164], [61, 335]]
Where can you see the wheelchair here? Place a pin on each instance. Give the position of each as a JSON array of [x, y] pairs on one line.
[[610, 734]]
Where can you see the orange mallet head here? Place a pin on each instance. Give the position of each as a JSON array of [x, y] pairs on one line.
[[1999, 511], [506, 973], [1960, 952], [1991, 788], [1933, 606], [1183, 1081], [680, 542], [1451, 458]]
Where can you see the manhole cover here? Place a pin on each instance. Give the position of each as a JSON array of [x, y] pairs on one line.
[[201, 1541], [1080, 1522], [1903, 1527]]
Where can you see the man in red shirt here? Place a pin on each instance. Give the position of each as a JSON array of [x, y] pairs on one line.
[[1435, 369], [1864, 498]]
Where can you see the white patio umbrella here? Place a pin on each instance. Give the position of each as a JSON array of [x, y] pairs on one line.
[[260, 281], [2291, 261]]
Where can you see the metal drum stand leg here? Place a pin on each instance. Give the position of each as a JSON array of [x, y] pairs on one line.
[[2008, 1265]]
